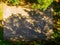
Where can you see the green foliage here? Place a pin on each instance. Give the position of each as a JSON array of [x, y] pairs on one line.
[[56, 36], [40, 43], [42, 4], [14, 2], [37, 4]]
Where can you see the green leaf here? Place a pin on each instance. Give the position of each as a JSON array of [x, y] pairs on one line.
[[42, 4], [14, 2]]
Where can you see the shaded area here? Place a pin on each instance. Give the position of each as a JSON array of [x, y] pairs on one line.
[[36, 27], [1, 30], [56, 6]]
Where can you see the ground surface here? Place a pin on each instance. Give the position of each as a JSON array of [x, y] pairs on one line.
[[26, 24]]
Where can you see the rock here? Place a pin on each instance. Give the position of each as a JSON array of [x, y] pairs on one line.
[[27, 24]]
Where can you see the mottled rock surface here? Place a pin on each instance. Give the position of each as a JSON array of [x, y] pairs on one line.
[[27, 24]]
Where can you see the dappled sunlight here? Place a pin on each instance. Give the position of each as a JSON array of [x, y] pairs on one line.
[[13, 32], [9, 10], [37, 30], [6, 11], [50, 32], [31, 21], [27, 24], [14, 39], [8, 28], [41, 13]]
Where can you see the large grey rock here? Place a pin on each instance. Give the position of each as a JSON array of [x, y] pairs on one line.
[[37, 25]]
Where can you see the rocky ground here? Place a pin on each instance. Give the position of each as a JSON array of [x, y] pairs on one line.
[[27, 24]]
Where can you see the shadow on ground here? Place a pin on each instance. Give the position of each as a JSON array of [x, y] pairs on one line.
[[37, 26]]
